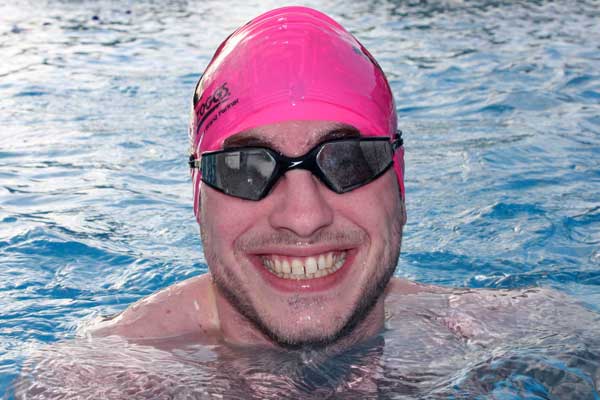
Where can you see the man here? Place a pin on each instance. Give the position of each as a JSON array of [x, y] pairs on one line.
[[297, 169]]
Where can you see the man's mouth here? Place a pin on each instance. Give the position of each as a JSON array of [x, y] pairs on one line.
[[311, 267]]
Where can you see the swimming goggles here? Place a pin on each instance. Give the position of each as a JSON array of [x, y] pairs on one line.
[[341, 164]]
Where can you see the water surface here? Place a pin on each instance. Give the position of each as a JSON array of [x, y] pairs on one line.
[[499, 103]]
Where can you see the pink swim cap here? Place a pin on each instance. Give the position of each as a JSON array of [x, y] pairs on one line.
[[291, 63]]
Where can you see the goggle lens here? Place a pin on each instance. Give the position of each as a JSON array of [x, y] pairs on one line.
[[243, 173], [349, 164], [341, 164]]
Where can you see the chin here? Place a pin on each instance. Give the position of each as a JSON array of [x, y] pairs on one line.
[[318, 330], [307, 332]]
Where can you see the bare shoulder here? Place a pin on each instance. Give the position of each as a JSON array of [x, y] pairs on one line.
[[399, 289], [184, 308], [489, 315], [506, 297], [399, 286]]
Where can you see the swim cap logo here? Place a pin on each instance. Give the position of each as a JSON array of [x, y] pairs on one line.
[[212, 102]]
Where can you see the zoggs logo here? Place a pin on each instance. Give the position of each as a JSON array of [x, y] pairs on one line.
[[218, 97]]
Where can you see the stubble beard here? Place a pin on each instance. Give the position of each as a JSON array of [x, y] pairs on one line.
[[232, 289]]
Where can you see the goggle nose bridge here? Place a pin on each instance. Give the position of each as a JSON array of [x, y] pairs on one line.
[[306, 162]]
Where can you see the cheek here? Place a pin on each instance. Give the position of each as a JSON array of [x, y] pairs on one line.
[[378, 206], [391, 204], [218, 231], [224, 218], [213, 218]]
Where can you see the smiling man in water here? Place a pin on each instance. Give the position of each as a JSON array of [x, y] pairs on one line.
[[297, 170]]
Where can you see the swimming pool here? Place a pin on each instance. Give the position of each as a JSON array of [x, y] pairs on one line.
[[499, 103]]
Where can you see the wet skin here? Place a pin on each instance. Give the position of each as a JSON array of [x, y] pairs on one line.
[[354, 237]]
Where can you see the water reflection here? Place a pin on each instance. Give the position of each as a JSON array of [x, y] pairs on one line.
[[460, 344]]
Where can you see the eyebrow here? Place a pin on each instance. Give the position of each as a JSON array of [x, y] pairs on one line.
[[245, 140], [250, 138]]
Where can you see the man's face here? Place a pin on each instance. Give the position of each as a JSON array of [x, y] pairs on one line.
[[343, 247]]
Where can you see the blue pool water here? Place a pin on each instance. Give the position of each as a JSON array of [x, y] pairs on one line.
[[500, 107]]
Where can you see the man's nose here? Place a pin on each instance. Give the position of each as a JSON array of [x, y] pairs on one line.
[[299, 204]]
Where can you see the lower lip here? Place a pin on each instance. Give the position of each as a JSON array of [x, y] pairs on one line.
[[305, 285]]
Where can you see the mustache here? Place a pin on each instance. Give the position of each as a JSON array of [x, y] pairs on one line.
[[286, 238]]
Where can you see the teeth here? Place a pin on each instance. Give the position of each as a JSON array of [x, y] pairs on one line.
[[339, 262], [322, 264], [297, 267], [305, 267], [285, 267], [277, 265], [310, 265]]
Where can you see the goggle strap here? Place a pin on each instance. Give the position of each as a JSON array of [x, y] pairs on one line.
[[397, 140], [193, 162]]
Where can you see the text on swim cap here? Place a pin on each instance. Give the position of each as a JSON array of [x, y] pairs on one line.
[[212, 102]]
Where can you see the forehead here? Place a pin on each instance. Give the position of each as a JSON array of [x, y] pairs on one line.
[[291, 137]]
